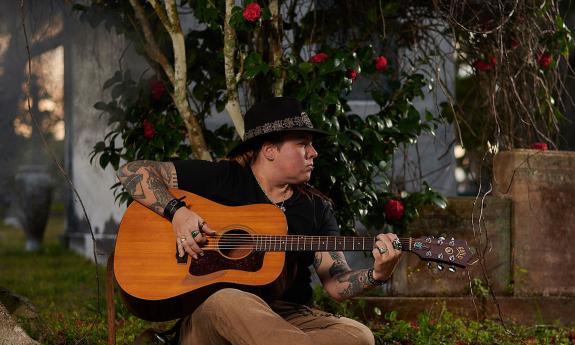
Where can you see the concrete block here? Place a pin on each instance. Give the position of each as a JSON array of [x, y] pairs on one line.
[[484, 224], [541, 185]]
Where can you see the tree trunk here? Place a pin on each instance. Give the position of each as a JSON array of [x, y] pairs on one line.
[[233, 103], [276, 47], [176, 73]]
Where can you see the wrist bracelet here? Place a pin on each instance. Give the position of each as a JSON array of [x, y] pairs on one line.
[[372, 280], [172, 206]]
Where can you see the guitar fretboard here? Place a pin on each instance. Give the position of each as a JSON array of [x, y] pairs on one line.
[[296, 243]]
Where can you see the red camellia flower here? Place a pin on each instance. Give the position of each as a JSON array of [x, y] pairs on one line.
[[539, 146], [493, 61], [252, 12], [482, 66], [393, 210], [149, 130], [352, 74], [319, 57], [380, 63], [545, 60], [514, 44], [158, 89]]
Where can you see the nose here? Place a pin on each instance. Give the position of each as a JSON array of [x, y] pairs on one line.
[[311, 153]]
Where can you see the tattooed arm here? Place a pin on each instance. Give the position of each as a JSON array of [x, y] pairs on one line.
[[341, 282], [148, 182], [338, 279]]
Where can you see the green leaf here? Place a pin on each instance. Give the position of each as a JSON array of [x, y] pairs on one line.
[[117, 91], [254, 65], [115, 161], [104, 159], [115, 79], [100, 146], [439, 201], [101, 106], [305, 67]]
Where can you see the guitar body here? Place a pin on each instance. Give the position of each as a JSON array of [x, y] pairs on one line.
[[156, 287]]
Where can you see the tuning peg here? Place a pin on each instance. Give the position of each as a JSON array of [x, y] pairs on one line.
[[440, 267], [441, 238], [451, 269]]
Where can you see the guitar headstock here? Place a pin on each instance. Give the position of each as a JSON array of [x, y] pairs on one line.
[[449, 251]]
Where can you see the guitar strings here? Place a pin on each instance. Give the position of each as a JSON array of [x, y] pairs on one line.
[[267, 242]]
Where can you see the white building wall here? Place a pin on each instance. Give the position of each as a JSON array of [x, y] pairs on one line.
[[92, 56]]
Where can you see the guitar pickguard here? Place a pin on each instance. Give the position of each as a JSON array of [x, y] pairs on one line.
[[213, 261]]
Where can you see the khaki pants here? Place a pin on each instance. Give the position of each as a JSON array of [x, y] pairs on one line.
[[236, 317]]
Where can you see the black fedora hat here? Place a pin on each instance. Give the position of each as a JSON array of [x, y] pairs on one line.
[[274, 115]]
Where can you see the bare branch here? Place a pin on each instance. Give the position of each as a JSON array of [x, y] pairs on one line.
[[151, 47]]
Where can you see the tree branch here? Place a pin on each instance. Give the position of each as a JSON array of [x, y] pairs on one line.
[[151, 47], [276, 46], [233, 103], [176, 74]]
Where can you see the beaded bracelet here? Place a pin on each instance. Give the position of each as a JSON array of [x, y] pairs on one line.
[[372, 280]]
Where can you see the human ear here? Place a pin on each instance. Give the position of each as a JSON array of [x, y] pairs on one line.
[[269, 151]]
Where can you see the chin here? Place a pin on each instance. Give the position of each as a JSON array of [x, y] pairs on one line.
[[301, 179], [306, 178]]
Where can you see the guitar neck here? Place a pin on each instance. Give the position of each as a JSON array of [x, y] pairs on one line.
[[297, 243]]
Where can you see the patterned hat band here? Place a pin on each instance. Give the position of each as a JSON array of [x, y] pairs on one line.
[[279, 125]]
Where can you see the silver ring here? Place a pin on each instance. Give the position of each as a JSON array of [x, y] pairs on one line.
[[182, 240], [195, 233], [382, 250], [396, 244]]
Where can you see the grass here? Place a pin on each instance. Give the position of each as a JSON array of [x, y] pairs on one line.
[[62, 286]]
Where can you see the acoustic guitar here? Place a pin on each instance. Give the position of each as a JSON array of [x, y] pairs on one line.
[[248, 251]]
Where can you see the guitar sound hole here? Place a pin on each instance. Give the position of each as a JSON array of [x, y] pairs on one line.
[[236, 244]]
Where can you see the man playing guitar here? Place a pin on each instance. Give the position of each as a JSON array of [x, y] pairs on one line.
[[272, 164]]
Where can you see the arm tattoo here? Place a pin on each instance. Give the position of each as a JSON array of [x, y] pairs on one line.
[[357, 283], [133, 185], [160, 190], [339, 265], [169, 175], [166, 170], [161, 177]]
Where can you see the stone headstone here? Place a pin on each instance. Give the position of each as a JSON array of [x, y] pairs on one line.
[[34, 188]]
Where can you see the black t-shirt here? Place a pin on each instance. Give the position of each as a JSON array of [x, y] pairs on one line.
[[230, 184]]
